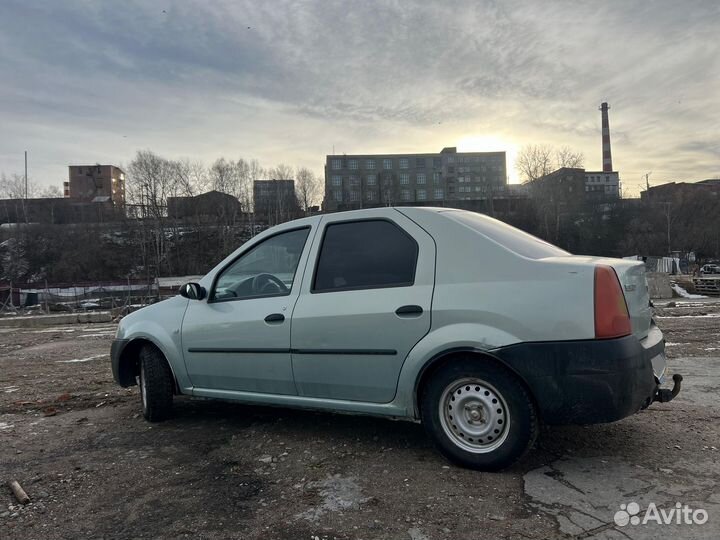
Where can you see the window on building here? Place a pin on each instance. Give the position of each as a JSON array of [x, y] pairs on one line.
[[336, 164], [420, 178], [354, 195], [370, 164], [337, 195], [451, 169], [353, 164], [354, 181], [349, 261], [278, 255], [405, 194], [371, 179], [421, 194], [437, 163], [387, 164], [404, 178], [607, 178], [436, 177], [370, 195], [420, 163], [337, 181], [404, 163], [439, 194]]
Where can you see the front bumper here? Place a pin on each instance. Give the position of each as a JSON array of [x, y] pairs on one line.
[[591, 381]]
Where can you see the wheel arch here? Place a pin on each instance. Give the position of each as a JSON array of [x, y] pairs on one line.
[[443, 358], [129, 363]]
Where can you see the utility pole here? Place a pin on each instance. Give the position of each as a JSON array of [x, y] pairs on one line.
[[647, 180], [26, 182], [667, 215]]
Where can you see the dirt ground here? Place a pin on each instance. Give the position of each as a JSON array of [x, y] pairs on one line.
[[94, 468]]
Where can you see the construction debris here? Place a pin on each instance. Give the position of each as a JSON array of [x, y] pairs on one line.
[[19, 492]]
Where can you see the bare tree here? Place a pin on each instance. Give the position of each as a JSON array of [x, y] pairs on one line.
[[192, 177], [51, 192], [13, 187], [307, 187], [566, 157], [223, 176], [281, 172], [151, 180], [534, 161]]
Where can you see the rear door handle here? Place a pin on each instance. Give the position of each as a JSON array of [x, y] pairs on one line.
[[408, 310], [275, 318]]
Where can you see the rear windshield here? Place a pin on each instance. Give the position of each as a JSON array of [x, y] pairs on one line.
[[515, 240]]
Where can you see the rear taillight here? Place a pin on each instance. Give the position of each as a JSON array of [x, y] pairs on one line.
[[611, 313]]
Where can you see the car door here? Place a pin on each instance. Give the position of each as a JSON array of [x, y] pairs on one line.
[[239, 338], [363, 307]]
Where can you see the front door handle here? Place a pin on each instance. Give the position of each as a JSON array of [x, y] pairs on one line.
[[408, 310], [275, 318]]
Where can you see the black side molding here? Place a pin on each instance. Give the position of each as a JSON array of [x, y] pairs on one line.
[[365, 352]]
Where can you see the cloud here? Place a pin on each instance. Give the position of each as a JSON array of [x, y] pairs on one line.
[[286, 80]]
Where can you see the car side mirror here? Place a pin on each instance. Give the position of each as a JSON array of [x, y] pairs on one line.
[[192, 291]]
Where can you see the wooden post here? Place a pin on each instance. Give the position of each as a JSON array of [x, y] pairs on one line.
[[47, 293], [19, 492]]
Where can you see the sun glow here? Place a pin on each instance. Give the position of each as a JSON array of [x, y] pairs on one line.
[[492, 143]]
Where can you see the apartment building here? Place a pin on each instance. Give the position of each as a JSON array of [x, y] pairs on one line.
[[441, 179], [96, 183], [602, 184], [275, 201]]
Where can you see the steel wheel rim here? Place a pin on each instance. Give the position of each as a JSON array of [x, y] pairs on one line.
[[474, 415]]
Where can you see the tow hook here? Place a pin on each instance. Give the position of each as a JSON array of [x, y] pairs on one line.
[[663, 395]]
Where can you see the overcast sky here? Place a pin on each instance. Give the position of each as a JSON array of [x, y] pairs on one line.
[[286, 81]]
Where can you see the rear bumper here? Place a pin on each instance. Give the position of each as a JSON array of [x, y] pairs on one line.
[[590, 381]]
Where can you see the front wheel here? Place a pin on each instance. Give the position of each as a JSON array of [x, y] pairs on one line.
[[479, 414], [156, 385]]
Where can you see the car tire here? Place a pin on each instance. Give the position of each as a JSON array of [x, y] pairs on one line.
[[156, 385], [479, 414]]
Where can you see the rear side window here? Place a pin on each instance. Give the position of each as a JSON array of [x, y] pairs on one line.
[[515, 240], [365, 255]]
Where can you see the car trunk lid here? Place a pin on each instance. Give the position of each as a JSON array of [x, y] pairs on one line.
[[635, 288], [633, 281]]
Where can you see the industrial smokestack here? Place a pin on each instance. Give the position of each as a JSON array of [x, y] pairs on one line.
[[607, 156]]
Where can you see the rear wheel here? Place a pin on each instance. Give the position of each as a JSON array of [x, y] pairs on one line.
[[479, 414], [156, 385]]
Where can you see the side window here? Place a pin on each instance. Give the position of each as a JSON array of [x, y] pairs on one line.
[[365, 255], [268, 269]]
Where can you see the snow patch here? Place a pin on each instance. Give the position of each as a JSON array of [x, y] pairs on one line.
[[709, 315], [682, 292], [338, 494], [88, 359]]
